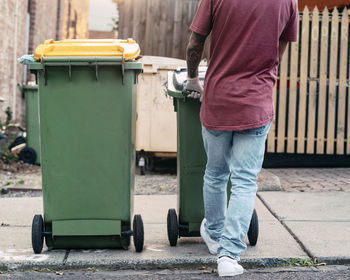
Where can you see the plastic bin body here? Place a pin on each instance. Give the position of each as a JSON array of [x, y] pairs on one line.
[[87, 121], [32, 119], [156, 119], [191, 161]]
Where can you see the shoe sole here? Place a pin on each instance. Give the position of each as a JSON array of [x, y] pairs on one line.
[[230, 274]]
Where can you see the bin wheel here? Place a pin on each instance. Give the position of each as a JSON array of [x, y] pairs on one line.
[[138, 233], [253, 232], [173, 227], [37, 234], [28, 155]]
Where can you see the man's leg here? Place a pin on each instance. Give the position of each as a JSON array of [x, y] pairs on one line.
[[218, 146], [248, 149]]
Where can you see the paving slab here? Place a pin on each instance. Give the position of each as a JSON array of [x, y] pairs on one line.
[[321, 221], [313, 179], [20, 211], [16, 250], [274, 244]]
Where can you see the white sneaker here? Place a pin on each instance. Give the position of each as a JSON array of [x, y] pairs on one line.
[[211, 244], [229, 267]]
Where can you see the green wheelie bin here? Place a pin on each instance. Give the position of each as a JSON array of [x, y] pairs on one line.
[[191, 162], [31, 153], [87, 97]]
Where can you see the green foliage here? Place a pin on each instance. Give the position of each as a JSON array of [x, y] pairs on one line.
[[5, 155], [302, 262], [8, 120], [8, 157]]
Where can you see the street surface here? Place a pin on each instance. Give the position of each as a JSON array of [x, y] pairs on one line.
[[281, 273]]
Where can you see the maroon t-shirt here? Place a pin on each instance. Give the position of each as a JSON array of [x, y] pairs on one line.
[[243, 61]]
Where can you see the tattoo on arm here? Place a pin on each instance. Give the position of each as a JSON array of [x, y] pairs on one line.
[[194, 53]]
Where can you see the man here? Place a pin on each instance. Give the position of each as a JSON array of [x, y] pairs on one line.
[[248, 39]]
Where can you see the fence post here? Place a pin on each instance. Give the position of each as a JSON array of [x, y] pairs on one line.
[[321, 127], [332, 88], [313, 82], [282, 102], [342, 82], [303, 81]]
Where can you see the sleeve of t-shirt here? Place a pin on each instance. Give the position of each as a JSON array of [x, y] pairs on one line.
[[290, 32], [201, 23]]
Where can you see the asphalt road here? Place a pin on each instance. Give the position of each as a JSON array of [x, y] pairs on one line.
[[326, 272]]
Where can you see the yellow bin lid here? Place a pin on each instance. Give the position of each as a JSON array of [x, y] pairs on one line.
[[127, 49]]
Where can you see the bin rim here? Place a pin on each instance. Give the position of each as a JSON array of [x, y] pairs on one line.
[[86, 61], [172, 91]]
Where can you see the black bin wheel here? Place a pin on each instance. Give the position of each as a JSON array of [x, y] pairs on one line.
[[37, 234], [253, 232], [173, 227], [138, 233], [28, 155]]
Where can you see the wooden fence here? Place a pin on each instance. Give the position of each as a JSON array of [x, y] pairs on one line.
[[161, 27], [312, 97]]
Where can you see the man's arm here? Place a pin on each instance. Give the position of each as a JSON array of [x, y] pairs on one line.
[[194, 53], [281, 48]]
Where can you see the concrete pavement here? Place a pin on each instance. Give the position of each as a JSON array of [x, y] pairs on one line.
[[320, 221], [274, 243], [302, 225]]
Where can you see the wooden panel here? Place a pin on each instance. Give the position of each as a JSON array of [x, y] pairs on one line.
[[282, 103], [323, 84], [332, 91], [303, 81], [121, 8], [271, 136], [149, 28], [163, 29], [292, 105], [127, 27], [170, 27], [342, 82], [313, 82], [177, 35], [156, 27]]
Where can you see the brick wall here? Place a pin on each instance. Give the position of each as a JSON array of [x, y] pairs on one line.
[[43, 23], [9, 20], [49, 19]]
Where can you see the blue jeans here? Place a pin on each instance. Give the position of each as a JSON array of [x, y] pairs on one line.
[[235, 155]]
